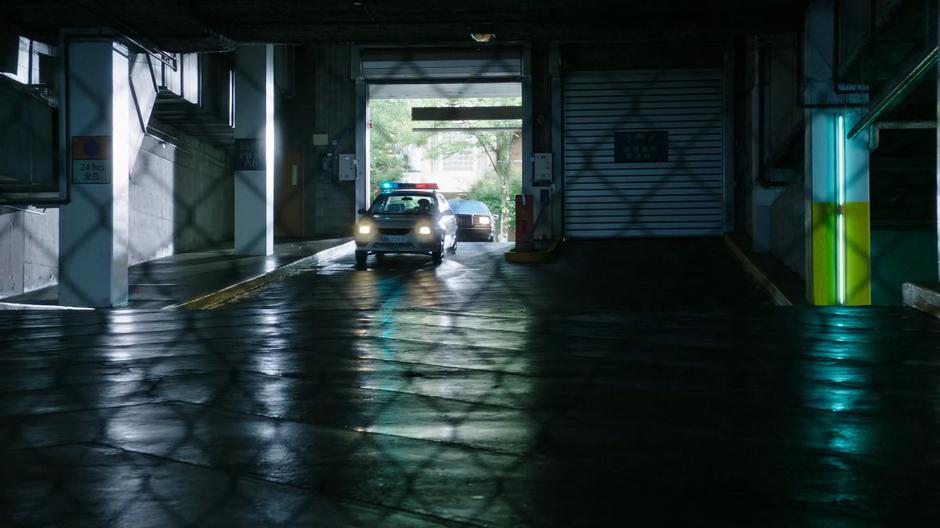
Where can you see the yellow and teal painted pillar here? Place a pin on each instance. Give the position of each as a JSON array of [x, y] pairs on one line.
[[838, 215]]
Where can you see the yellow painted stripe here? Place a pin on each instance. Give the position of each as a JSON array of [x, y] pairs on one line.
[[776, 294], [537, 256], [858, 254], [824, 286]]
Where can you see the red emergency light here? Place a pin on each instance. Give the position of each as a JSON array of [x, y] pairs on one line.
[[400, 185]]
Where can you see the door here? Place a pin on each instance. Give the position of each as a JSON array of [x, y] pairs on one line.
[[644, 153], [289, 192]]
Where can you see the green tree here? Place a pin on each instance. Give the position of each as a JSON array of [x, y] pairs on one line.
[[498, 146], [496, 139], [490, 192], [390, 136]]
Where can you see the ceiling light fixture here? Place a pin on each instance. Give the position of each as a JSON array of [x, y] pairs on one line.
[[482, 37]]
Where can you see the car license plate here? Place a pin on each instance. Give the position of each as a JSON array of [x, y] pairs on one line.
[[393, 239]]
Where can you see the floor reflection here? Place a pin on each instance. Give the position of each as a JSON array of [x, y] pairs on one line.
[[473, 393]]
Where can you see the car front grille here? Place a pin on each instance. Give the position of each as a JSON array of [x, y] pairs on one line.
[[464, 219], [393, 231]]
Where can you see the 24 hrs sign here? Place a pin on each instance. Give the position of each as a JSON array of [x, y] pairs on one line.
[[91, 159]]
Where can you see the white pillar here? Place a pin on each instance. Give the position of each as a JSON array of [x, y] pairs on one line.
[[93, 227], [254, 150], [836, 174]]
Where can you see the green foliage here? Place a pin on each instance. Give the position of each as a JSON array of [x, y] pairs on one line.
[[490, 191], [391, 134]]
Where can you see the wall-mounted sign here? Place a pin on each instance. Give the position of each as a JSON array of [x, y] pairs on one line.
[[91, 159], [641, 146], [249, 154]]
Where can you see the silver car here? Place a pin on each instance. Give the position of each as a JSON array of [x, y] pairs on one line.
[[474, 220], [406, 218]]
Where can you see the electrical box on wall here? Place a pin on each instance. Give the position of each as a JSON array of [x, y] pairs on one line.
[[542, 171], [348, 167]]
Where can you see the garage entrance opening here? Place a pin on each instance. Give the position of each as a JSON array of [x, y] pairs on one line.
[[464, 137]]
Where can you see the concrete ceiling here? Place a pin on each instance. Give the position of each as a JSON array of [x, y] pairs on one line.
[[194, 25]]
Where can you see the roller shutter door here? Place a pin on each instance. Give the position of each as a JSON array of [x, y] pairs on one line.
[[668, 177]]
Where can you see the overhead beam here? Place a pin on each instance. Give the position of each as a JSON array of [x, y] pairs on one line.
[[465, 113], [465, 129]]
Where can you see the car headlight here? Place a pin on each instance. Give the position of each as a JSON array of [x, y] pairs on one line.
[[365, 229], [483, 220], [424, 230]]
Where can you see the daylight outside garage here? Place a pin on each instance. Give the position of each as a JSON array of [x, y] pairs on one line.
[[470, 147]]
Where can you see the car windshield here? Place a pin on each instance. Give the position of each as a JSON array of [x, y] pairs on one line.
[[403, 203], [472, 207]]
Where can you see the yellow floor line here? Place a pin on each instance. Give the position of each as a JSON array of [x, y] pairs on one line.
[[220, 297], [531, 257], [779, 298]]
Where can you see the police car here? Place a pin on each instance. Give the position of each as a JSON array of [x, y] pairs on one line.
[[406, 218]]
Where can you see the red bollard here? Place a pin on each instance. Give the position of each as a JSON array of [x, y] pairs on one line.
[[524, 219]]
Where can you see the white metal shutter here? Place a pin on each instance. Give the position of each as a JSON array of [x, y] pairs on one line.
[[683, 196]]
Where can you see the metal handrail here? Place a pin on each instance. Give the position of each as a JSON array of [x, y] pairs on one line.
[[895, 94]]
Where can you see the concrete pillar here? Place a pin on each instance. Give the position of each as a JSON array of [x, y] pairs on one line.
[[254, 150], [363, 179], [839, 252], [93, 227], [937, 167], [838, 233], [557, 140], [762, 197]]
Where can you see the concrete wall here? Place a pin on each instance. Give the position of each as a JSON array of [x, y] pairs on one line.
[[899, 256], [29, 249], [151, 209], [181, 198], [29, 243], [770, 191], [788, 235], [903, 212], [180, 201], [783, 115], [745, 137], [205, 197], [324, 102], [26, 137]]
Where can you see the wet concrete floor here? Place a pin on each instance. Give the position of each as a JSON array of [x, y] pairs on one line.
[[178, 278], [626, 383]]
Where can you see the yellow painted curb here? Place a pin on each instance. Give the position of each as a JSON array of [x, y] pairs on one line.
[[923, 297], [533, 257], [779, 298], [220, 297]]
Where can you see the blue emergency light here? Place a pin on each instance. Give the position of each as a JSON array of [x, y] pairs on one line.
[[400, 185]]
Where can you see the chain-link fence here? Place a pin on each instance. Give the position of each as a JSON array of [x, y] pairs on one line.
[[628, 380]]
